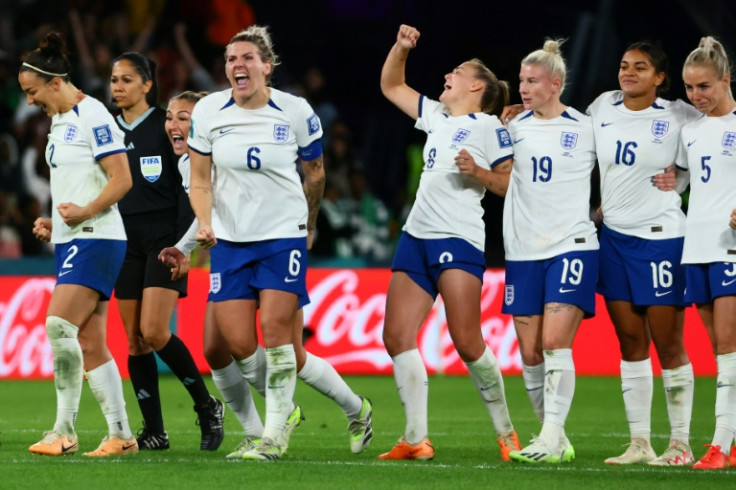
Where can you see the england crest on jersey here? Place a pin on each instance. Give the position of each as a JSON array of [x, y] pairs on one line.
[[569, 140], [71, 133], [729, 140], [460, 135], [280, 132], [660, 128], [508, 296], [151, 167]]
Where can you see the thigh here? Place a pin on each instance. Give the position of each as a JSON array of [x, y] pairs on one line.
[[93, 338], [214, 345], [560, 324], [705, 311], [157, 307], [529, 333], [460, 291], [278, 316], [630, 323], [236, 323], [74, 303], [724, 324], [407, 306]]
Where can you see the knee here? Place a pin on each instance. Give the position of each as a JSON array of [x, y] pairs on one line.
[[58, 328], [531, 357], [395, 343], [156, 338], [216, 354]]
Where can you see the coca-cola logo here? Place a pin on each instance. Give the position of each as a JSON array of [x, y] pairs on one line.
[[24, 347], [347, 317]]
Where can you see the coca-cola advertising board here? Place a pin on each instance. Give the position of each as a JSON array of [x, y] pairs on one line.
[[346, 317]]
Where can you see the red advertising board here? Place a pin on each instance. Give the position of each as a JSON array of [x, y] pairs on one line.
[[346, 316]]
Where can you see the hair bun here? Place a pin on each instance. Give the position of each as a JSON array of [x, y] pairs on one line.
[[53, 45]]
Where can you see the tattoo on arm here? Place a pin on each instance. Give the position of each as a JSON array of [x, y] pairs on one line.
[[314, 187]]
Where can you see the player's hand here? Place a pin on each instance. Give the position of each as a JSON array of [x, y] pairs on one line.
[[181, 269], [509, 112], [206, 237], [72, 214], [171, 256], [667, 180], [42, 229], [732, 223], [466, 163], [407, 37]]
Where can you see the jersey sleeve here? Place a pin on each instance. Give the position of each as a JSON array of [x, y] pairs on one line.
[[199, 139], [104, 135], [308, 132], [498, 144], [429, 110]]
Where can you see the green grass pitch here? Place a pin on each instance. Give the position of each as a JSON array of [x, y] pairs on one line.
[[319, 456]]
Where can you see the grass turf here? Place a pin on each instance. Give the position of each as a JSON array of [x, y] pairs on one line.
[[319, 456]]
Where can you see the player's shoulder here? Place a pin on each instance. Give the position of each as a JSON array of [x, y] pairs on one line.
[[91, 108], [287, 102], [215, 101], [605, 100]]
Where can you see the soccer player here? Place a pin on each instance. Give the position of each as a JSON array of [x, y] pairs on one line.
[[641, 278], [263, 219], [155, 213], [226, 373], [441, 248], [89, 174], [550, 243], [709, 253]]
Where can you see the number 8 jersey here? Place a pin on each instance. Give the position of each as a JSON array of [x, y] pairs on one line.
[[547, 207], [257, 194]]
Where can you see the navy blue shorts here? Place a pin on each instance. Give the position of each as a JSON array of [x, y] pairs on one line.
[[94, 263], [706, 282]]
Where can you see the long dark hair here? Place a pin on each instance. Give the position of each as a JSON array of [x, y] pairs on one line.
[[146, 68], [659, 60]]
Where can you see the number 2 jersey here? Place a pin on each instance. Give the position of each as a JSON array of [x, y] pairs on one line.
[[633, 147], [708, 146], [257, 194], [448, 203], [78, 140], [547, 207]]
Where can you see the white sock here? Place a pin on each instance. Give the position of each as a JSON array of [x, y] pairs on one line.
[[280, 384], [559, 388], [320, 375], [487, 379], [412, 385], [236, 393], [254, 370], [534, 382], [107, 387], [679, 384], [637, 389], [68, 379], [725, 402]]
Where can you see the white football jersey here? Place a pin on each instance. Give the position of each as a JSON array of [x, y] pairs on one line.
[[258, 194], [632, 147], [448, 203], [78, 139], [547, 207], [709, 145]]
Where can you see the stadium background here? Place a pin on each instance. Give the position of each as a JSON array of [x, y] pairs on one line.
[[331, 52]]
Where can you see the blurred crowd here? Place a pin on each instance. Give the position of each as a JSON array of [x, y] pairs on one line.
[[186, 39]]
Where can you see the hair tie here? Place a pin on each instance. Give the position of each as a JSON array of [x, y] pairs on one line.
[[28, 65]]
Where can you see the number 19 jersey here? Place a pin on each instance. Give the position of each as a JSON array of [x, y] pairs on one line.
[[547, 207]]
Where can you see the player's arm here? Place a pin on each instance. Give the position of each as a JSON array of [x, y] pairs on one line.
[[495, 180], [200, 196], [314, 188], [393, 74], [118, 184]]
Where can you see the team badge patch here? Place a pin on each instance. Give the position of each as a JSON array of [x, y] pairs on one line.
[[103, 135], [215, 283], [281, 132], [569, 140], [313, 124], [460, 135], [151, 168], [71, 133], [729, 140], [660, 128], [508, 295], [504, 138]]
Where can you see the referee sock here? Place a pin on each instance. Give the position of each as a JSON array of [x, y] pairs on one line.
[[253, 369], [176, 355], [636, 386], [487, 379], [107, 387], [68, 362], [320, 375], [412, 385], [679, 386], [144, 377], [281, 381], [725, 401], [236, 393]]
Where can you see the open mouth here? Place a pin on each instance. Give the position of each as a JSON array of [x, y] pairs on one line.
[[241, 79]]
